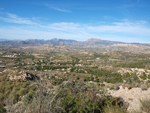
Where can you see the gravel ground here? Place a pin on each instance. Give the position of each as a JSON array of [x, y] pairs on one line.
[[132, 96]]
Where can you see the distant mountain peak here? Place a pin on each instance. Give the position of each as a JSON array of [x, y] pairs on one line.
[[55, 39], [93, 40]]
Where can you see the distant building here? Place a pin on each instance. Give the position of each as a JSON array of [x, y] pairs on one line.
[[142, 70]]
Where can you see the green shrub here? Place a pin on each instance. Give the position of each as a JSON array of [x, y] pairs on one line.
[[144, 76], [96, 79], [102, 85], [148, 76], [12, 99], [73, 96], [77, 97], [22, 91], [28, 98], [87, 79], [92, 78], [112, 87], [2, 109], [77, 78], [10, 91], [126, 76], [107, 76]]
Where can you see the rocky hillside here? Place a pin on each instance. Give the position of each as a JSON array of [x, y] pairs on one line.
[[135, 48], [35, 42], [93, 44]]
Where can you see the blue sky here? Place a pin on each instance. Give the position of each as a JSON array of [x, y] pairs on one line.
[[117, 20]]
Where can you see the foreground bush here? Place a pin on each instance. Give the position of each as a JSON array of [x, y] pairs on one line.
[[40, 101], [79, 97], [70, 97], [2, 109]]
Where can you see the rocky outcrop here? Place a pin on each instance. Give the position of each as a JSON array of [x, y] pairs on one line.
[[22, 75], [30, 76], [131, 96]]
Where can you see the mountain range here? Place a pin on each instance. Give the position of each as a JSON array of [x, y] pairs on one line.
[[93, 42]]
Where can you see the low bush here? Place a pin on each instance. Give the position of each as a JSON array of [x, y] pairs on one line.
[[112, 87], [78, 97], [144, 76], [148, 76], [12, 91], [102, 85], [28, 98], [2, 109], [22, 91]]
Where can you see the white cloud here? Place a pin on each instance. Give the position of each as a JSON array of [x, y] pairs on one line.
[[22, 33], [12, 18], [59, 9], [67, 27], [122, 27], [70, 30], [56, 8]]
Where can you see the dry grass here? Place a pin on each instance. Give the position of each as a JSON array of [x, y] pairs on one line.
[[114, 109]]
